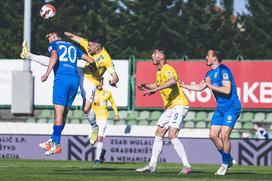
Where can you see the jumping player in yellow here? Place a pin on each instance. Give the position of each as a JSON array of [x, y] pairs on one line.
[[100, 107], [89, 80], [176, 108]]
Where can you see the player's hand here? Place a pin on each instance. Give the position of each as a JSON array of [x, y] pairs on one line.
[[141, 86], [113, 84], [150, 92], [208, 81], [117, 118], [44, 78]]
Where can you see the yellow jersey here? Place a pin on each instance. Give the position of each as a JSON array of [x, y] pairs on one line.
[[100, 104], [103, 62], [173, 95]]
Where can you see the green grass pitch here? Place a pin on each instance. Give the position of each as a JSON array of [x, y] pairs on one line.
[[21, 170]]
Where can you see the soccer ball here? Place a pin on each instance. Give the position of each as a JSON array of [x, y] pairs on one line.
[[47, 11]]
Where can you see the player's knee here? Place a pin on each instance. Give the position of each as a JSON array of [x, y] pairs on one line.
[[172, 136], [86, 110], [213, 136], [225, 137]]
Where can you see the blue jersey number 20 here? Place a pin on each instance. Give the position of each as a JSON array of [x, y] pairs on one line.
[[68, 54]]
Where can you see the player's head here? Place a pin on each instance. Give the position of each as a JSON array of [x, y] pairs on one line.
[[158, 55], [94, 45], [256, 126], [101, 83], [52, 36], [213, 56]]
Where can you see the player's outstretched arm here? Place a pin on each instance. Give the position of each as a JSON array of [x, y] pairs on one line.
[[143, 86], [72, 36], [167, 84], [114, 79], [197, 87], [52, 63], [87, 58]]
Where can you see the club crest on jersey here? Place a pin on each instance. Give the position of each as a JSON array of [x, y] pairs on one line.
[[169, 73], [49, 48], [229, 118], [225, 76], [215, 74]]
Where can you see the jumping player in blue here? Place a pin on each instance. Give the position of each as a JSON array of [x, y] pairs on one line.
[[63, 60], [221, 81]]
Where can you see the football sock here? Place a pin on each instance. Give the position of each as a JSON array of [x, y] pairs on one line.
[[156, 150], [57, 129], [99, 146], [180, 151], [226, 158], [91, 119], [43, 60]]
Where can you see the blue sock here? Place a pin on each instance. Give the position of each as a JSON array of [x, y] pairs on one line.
[[226, 158], [57, 129]]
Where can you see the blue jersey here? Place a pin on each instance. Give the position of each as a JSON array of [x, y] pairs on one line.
[[223, 73], [67, 57]]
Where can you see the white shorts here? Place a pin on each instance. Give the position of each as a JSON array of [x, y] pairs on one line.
[[102, 125], [87, 87], [173, 117]]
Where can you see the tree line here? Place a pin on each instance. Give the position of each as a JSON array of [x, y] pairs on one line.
[[185, 28]]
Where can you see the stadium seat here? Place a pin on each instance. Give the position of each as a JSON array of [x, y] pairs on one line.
[[144, 115], [111, 121], [143, 122], [190, 116], [188, 124], [155, 115], [78, 114], [201, 116], [132, 122], [238, 125], [111, 115], [248, 125], [210, 114], [46, 113], [31, 120], [259, 117], [123, 115], [247, 117], [269, 118], [85, 121], [235, 135], [153, 123], [200, 124], [132, 115], [74, 121]]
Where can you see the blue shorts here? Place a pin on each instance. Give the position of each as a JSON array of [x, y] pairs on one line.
[[225, 117], [65, 90]]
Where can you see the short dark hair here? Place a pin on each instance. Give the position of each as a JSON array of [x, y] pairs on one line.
[[258, 124], [218, 54], [164, 51], [96, 39]]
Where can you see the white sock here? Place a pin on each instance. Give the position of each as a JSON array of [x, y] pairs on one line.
[[43, 60], [99, 146], [156, 150], [180, 151], [91, 119]]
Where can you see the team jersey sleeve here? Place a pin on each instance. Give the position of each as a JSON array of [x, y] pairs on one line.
[[84, 43], [113, 105], [109, 64], [51, 47], [169, 73], [226, 75]]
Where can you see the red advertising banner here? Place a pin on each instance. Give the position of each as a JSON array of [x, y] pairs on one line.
[[253, 81]]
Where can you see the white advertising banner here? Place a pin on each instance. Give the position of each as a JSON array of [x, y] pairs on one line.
[[43, 90], [6, 68]]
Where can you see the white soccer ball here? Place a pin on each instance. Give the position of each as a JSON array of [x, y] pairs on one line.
[[47, 11]]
